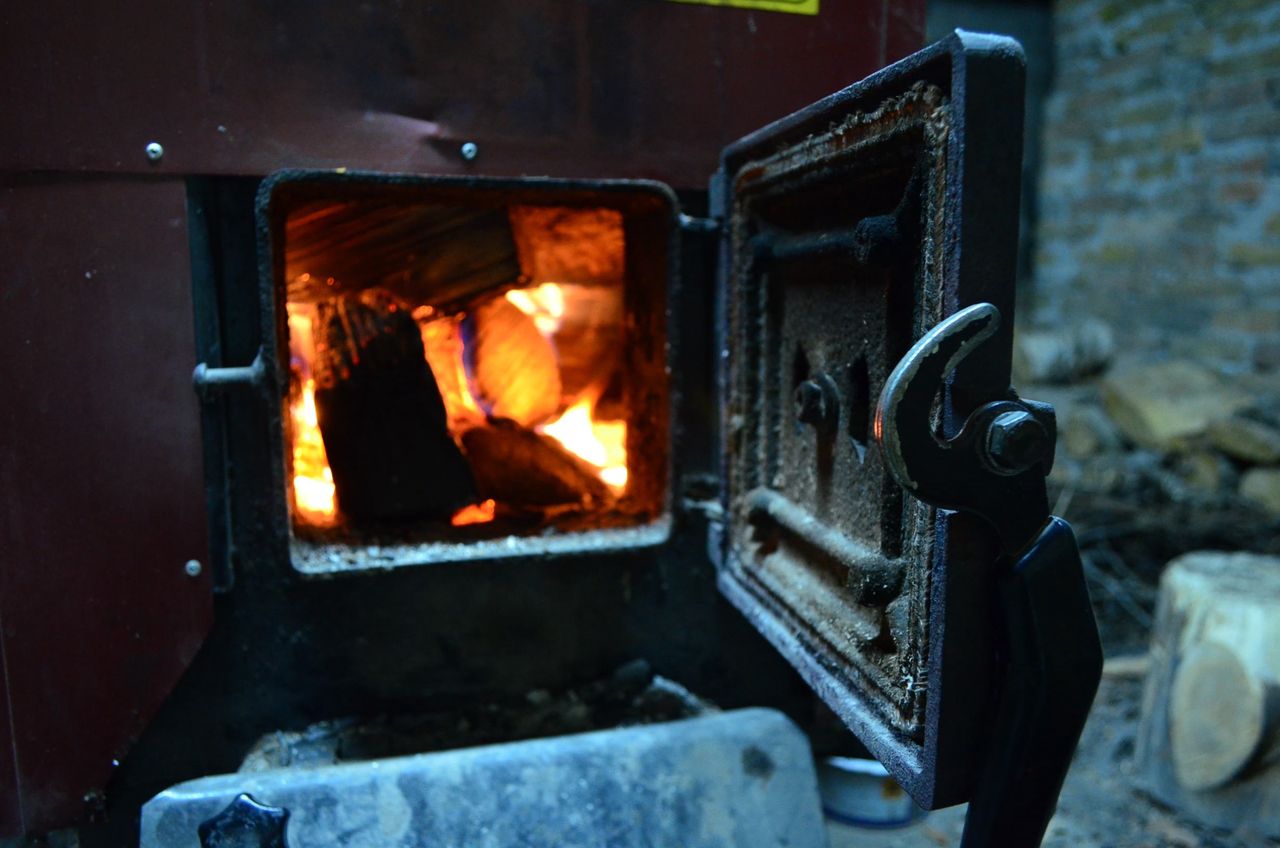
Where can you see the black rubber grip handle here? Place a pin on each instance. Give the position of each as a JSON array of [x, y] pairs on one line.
[[1053, 666]]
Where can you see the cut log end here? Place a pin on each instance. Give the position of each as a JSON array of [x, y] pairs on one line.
[[1217, 717]]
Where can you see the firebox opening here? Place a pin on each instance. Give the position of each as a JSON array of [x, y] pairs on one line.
[[469, 364]]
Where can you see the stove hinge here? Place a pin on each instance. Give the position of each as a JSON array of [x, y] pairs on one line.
[[691, 224]]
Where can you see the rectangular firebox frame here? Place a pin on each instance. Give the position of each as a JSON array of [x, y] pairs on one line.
[[649, 213]]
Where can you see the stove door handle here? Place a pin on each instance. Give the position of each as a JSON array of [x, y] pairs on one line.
[[1054, 664], [210, 381]]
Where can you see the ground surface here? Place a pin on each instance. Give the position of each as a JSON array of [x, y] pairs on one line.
[[1102, 805]]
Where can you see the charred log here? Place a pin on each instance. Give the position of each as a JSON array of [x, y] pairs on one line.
[[381, 415], [517, 466]]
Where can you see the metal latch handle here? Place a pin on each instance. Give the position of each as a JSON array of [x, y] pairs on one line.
[[210, 381], [1053, 667]]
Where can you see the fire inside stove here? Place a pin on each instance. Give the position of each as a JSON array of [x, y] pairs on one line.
[[464, 370]]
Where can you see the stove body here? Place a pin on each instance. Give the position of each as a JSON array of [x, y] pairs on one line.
[[161, 610]]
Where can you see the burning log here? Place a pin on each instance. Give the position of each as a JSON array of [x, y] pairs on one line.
[[381, 414], [518, 466], [515, 369]]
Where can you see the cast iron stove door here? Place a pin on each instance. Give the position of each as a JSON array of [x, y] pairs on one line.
[[850, 228]]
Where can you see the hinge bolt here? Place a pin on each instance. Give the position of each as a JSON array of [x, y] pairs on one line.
[[1015, 442]]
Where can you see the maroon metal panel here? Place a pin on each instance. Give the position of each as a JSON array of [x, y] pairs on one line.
[[629, 88], [101, 484]]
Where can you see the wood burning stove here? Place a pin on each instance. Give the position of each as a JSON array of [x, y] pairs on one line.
[[403, 370], [427, 349]]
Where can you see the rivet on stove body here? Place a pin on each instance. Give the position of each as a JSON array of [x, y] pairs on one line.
[[469, 151], [193, 568], [155, 151]]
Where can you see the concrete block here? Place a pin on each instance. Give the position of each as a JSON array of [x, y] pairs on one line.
[[742, 779]]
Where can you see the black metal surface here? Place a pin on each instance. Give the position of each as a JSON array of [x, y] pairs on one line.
[[1052, 653], [947, 241], [104, 590], [246, 823]]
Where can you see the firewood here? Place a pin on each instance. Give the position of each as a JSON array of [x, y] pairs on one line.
[[517, 466], [1220, 713], [1209, 739], [381, 414], [516, 373]]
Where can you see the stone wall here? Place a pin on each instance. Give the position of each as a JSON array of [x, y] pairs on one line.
[[1160, 188]]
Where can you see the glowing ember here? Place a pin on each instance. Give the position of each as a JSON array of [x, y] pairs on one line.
[[313, 491], [601, 443], [475, 513]]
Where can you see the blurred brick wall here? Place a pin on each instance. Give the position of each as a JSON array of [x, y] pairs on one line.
[[1160, 187]]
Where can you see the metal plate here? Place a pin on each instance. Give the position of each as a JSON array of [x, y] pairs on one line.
[[103, 501], [851, 228], [608, 88]]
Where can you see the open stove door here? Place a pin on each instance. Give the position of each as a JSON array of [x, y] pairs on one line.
[[849, 229]]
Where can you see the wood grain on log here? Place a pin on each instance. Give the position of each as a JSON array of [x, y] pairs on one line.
[[1207, 743], [1217, 716]]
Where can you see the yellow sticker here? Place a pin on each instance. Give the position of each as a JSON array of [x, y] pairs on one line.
[[795, 7]]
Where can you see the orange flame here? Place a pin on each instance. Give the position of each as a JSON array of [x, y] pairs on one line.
[[480, 513], [601, 443], [313, 490], [442, 344]]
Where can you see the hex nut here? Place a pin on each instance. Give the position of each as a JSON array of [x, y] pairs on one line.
[[1016, 441]]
